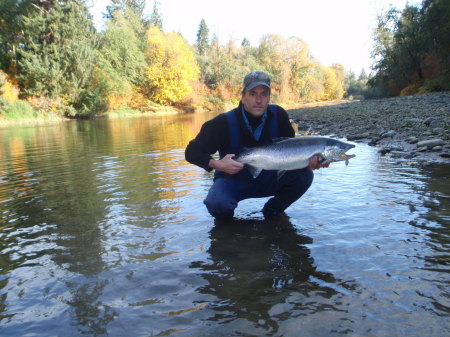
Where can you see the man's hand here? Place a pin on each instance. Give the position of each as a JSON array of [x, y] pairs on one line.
[[316, 163], [226, 164]]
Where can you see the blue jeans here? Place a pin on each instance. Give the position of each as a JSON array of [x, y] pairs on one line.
[[226, 192]]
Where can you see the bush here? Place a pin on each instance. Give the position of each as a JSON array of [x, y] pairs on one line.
[[18, 110]]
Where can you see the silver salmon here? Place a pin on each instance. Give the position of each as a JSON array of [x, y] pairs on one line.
[[286, 154]]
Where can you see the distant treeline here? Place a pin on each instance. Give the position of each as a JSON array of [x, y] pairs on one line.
[[53, 59], [412, 49]]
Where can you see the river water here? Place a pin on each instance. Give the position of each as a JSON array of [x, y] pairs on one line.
[[103, 233]]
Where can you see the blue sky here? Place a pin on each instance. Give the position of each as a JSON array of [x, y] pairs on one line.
[[336, 31]]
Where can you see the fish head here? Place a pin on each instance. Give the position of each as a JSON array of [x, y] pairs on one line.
[[336, 151]]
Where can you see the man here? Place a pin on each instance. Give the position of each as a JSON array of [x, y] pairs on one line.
[[254, 122]]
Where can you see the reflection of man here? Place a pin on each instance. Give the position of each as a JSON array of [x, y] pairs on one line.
[[255, 265], [254, 122]]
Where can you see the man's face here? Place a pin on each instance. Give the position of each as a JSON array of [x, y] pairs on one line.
[[256, 100]]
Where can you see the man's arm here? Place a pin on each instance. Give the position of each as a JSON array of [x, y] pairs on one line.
[[212, 136]]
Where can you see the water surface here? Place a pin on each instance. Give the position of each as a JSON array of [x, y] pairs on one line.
[[104, 233]]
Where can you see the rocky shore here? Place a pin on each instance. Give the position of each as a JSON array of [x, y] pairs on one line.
[[411, 127]]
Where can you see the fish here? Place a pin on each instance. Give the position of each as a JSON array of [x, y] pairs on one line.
[[285, 154]]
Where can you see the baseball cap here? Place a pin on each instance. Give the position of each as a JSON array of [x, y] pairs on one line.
[[254, 79]]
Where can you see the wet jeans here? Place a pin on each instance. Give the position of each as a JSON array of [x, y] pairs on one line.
[[226, 192]]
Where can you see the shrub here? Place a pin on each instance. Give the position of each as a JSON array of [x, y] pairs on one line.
[[18, 110]]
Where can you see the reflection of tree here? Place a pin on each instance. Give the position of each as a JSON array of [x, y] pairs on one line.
[[54, 211], [91, 314], [435, 198], [255, 264]]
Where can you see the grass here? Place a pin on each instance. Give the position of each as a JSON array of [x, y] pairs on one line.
[[20, 112]]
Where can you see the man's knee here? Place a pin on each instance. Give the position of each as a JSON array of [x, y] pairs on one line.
[[220, 208], [220, 202]]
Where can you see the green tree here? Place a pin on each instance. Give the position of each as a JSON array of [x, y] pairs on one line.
[[202, 37], [245, 42], [11, 14], [124, 5], [436, 27], [156, 16], [122, 48], [58, 53], [412, 49]]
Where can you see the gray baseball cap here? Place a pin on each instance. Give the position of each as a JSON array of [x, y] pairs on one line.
[[254, 79]]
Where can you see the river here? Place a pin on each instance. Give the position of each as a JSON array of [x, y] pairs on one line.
[[103, 232]]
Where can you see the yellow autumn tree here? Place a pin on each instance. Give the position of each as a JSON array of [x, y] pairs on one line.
[[8, 90], [172, 67], [333, 88]]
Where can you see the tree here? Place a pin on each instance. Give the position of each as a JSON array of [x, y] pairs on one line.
[[123, 5], [11, 14], [202, 37], [156, 17], [58, 53], [245, 42], [171, 68], [363, 76], [412, 50], [122, 48]]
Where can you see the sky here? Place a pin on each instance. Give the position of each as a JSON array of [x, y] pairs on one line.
[[337, 31]]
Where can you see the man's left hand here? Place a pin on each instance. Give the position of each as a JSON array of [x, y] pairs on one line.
[[316, 163]]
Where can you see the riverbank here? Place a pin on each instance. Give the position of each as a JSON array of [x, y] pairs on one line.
[[411, 127]]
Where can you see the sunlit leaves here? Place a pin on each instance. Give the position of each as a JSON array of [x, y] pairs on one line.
[[171, 67]]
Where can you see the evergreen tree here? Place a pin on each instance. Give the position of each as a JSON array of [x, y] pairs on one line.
[[123, 5], [363, 76], [156, 17], [122, 49], [202, 37], [59, 51], [11, 13], [245, 42]]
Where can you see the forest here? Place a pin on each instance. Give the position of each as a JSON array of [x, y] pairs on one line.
[[54, 61]]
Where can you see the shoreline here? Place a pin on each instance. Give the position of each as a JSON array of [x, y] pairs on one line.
[[413, 128]]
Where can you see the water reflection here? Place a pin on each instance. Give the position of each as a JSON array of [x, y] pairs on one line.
[[103, 232], [256, 264]]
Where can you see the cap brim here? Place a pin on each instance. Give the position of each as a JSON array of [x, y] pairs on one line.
[[256, 84]]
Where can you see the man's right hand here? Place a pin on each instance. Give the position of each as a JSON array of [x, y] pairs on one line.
[[226, 164]]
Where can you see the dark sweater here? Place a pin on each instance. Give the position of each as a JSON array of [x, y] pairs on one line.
[[215, 135]]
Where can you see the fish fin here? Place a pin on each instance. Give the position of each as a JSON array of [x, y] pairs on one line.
[[255, 171], [280, 174]]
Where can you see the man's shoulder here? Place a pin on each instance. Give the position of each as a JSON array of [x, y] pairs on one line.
[[218, 122], [276, 107]]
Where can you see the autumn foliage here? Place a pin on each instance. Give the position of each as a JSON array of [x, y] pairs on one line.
[[171, 67]]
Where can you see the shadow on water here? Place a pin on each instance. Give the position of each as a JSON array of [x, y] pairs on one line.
[[255, 264]]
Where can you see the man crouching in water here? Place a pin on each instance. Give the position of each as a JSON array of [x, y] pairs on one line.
[[253, 123]]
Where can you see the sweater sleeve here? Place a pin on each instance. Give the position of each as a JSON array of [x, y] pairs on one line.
[[212, 137]]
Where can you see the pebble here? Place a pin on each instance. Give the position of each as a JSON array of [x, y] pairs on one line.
[[430, 143], [412, 140], [390, 133]]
